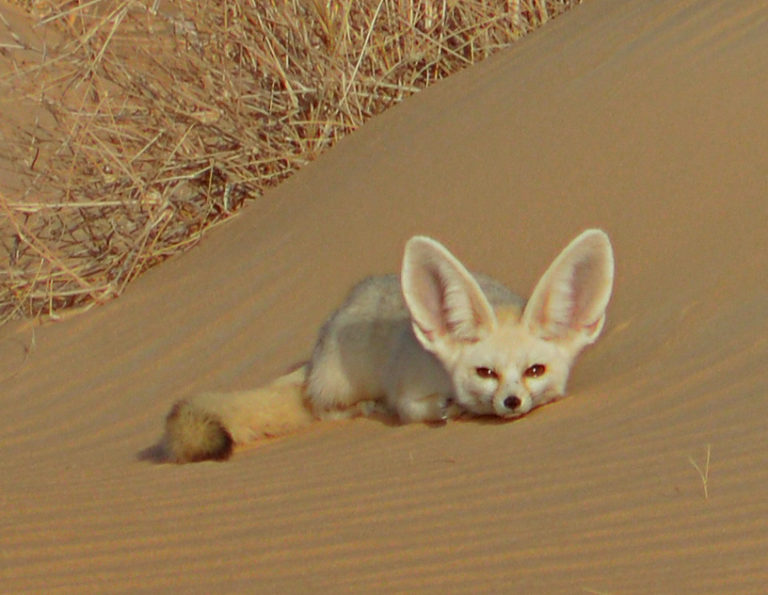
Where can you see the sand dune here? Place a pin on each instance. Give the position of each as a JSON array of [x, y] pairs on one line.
[[644, 118]]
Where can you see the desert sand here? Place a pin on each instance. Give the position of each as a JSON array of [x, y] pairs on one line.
[[644, 118]]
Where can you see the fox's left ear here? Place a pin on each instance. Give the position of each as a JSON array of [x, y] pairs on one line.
[[569, 301]]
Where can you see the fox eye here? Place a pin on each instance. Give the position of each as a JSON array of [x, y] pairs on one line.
[[486, 373], [535, 370]]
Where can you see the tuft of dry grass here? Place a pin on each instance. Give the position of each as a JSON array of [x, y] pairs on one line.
[[158, 120], [703, 472]]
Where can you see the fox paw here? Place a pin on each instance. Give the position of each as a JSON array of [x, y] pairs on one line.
[[449, 409]]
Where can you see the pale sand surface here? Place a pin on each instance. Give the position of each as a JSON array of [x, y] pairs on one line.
[[645, 118]]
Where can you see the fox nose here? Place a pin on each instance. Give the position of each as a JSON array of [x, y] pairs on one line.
[[512, 402]]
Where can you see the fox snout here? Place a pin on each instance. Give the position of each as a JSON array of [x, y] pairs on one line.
[[511, 405]]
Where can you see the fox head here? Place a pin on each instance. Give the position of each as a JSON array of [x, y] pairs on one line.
[[507, 361]]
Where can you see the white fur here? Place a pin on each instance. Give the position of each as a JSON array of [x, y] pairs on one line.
[[437, 343]]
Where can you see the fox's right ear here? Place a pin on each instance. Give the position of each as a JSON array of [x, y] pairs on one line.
[[446, 304]]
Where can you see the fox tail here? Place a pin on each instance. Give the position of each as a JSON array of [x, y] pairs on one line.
[[209, 425]]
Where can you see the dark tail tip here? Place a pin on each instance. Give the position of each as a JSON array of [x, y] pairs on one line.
[[193, 435]]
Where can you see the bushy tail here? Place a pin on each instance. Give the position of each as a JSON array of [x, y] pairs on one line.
[[207, 426]]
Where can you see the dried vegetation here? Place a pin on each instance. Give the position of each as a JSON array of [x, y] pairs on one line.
[[154, 120]]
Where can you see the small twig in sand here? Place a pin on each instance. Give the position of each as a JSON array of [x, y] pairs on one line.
[[703, 473]]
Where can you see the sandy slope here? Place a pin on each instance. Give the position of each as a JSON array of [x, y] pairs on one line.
[[646, 118]]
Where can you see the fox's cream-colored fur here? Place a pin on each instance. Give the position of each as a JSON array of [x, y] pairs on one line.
[[208, 425], [436, 343]]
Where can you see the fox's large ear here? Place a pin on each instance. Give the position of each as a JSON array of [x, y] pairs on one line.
[[447, 305], [569, 301]]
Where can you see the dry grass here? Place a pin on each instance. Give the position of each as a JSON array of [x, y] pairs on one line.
[[703, 472], [160, 119]]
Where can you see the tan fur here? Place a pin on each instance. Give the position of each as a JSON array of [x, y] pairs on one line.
[[207, 425]]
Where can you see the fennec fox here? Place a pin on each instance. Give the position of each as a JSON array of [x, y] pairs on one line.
[[437, 343]]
